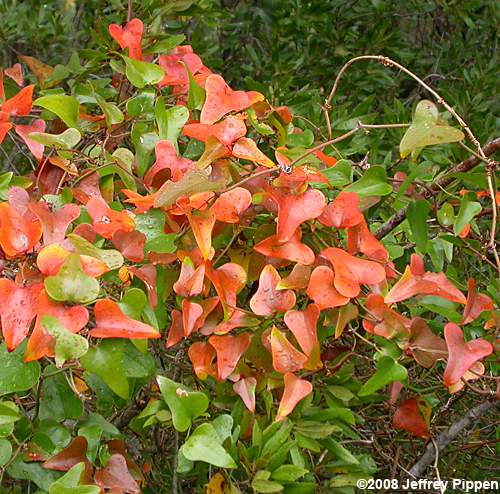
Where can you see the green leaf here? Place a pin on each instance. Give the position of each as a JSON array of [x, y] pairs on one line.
[[142, 104], [5, 451], [151, 223], [166, 44], [204, 444], [111, 257], [71, 284], [388, 371], [69, 483], [15, 375], [32, 471], [65, 107], [339, 175], [65, 140], [184, 404], [425, 130], [142, 74], [446, 214], [340, 452], [163, 243], [9, 412], [196, 94], [58, 401], [468, 209], [372, 183], [417, 214], [261, 483], [288, 473], [5, 179], [69, 346], [260, 127], [133, 303], [107, 362], [170, 121], [111, 112]]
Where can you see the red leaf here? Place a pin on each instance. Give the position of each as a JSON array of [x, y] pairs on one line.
[[73, 454], [176, 331], [41, 344], [294, 210], [286, 358], [4, 128], [17, 309], [303, 325], [175, 72], [115, 475], [111, 322], [130, 244], [129, 37], [295, 390], [293, 250], [54, 223], [246, 149], [191, 311], [221, 99], [409, 418], [238, 319], [476, 303], [227, 131], [107, 221], [20, 104], [342, 212], [245, 389], [322, 291], [202, 356], [360, 239], [462, 356], [230, 205], [167, 159], [268, 300], [415, 281], [18, 235], [351, 272], [202, 224], [23, 131], [147, 274], [426, 347], [389, 323], [229, 351]]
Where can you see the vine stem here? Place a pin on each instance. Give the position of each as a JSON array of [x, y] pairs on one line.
[[491, 164]]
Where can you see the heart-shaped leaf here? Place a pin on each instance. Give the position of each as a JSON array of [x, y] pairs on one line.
[[388, 371], [408, 416], [65, 107], [476, 303], [295, 390], [142, 74]]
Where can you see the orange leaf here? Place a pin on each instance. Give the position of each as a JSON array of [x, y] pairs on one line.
[[462, 356], [16, 74], [202, 224], [167, 160], [409, 418], [23, 131], [221, 99], [229, 351], [268, 300], [389, 323], [18, 234], [293, 250], [245, 389], [191, 312], [286, 358], [111, 322], [17, 309], [107, 221], [415, 281], [20, 104], [190, 281], [342, 212], [130, 244], [4, 128], [295, 390], [227, 131], [297, 279], [228, 281], [246, 149], [303, 325], [230, 205], [322, 291], [238, 319], [202, 356], [476, 303], [41, 344], [360, 239], [129, 37], [54, 223], [214, 150], [147, 274], [176, 331], [39, 69], [294, 210], [175, 72], [351, 272]]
